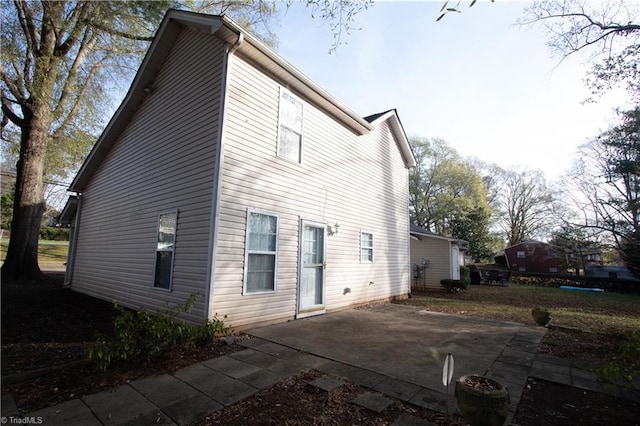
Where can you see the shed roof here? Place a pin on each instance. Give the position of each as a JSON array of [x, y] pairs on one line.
[[417, 230]]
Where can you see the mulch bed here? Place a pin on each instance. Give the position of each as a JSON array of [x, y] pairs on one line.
[[295, 401], [545, 403], [46, 326]]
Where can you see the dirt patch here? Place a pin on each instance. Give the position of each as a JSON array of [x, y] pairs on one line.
[[545, 403], [45, 326], [296, 402]]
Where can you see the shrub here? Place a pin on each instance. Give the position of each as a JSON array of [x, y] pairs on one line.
[[625, 364], [452, 286], [541, 316], [465, 277], [52, 233], [142, 334]]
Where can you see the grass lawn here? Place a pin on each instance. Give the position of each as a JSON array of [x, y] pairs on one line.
[[585, 327], [48, 251], [587, 311]]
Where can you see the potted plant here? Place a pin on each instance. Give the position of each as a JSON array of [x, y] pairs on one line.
[[482, 401]]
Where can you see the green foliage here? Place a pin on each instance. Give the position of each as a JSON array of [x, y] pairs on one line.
[[541, 316], [465, 277], [6, 212], [448, 196], [52, 233], [140, 334], [452, 286], [625, 364]]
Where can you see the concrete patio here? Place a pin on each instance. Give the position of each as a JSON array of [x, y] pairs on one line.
[[395, 351]]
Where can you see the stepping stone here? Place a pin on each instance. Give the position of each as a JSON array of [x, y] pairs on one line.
[[327, 383], [373, 401], [409, 420], [9, 408], [118, 406], [73, 412]]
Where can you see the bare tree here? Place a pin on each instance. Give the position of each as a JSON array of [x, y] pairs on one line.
[[607, 31], [608, 179], [525, 205]]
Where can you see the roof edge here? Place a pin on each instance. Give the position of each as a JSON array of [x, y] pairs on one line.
[[399, 133]]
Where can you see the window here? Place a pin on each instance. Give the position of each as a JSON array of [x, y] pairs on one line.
[[520, 255], [290, 131], [366, 247], [165, 250], [260, 252]]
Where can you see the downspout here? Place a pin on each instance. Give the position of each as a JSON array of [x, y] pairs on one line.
[[217, 180], [71, 256]]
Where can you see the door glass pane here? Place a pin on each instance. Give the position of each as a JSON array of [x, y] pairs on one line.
[[313, 245]]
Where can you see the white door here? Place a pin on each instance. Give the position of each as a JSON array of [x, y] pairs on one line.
[[312, 266], [455, 263]]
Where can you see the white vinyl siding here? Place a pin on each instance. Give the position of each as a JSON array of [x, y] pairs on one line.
[[322, 189], [261, 252], [164, 158], [290, 115], [366, 247], [437, 252]]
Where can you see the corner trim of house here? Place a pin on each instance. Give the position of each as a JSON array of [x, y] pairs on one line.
[[217, 180]]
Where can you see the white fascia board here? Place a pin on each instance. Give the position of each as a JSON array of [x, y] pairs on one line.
[[256, 50], [401, 136]]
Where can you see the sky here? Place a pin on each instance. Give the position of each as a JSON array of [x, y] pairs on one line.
[[490, 88]]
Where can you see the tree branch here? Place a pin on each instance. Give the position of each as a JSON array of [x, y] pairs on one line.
[[79, 16], [26, 22], [7, 110], [79, 97], [87, 44], [115, 32]]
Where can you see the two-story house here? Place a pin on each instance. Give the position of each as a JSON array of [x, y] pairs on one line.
[[227, 172]]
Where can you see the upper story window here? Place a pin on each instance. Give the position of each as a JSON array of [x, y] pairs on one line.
[[163, 275], [261, 250], [290, 128], [520, 255]]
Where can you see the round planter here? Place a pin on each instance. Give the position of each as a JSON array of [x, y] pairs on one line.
[[482, 407]]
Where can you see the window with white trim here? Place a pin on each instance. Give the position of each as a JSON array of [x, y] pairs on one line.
[[261, 250], [366, 247], [520, 255], [165, 250], [290, 127]]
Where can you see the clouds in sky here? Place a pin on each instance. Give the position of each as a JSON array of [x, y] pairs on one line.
[[475, 79]]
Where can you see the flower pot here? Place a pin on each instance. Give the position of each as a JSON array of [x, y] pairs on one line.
[[482, 401]]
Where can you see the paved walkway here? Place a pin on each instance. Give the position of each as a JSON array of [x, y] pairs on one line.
[[339, 345]]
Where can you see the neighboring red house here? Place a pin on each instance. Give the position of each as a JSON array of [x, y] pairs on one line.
[[536, 256]]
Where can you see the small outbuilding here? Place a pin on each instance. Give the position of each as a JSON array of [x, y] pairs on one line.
[[434, 258]]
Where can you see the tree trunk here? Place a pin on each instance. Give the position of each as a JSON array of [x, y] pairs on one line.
[[29, 205]]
